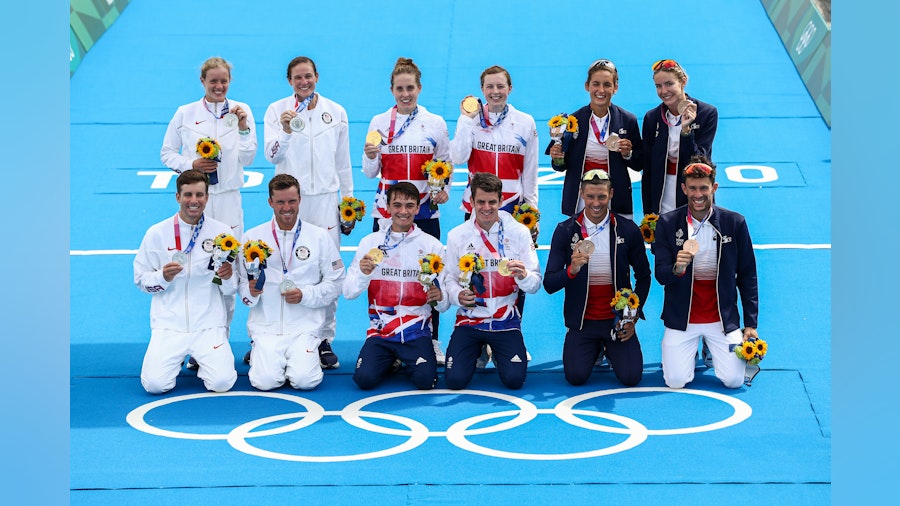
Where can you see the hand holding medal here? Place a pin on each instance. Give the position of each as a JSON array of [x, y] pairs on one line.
[[469, 106]]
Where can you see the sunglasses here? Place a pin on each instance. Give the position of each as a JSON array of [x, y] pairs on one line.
[[698, 169], [665, 64], [603, 63], [595, 176]]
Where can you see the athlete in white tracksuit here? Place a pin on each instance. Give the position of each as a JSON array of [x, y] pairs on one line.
[[209, 117], [319, 157], [187, 313], [285, 336]]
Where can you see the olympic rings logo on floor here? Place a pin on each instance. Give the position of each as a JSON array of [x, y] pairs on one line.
[[458, 433]]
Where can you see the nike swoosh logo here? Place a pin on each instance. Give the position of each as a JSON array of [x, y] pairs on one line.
[[170, 249], [216, 347], [310, 351], [198, 122], [331, 228]]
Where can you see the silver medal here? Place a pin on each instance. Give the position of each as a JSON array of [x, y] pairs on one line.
[[180, 257], [231, 120], [287, 285], [297, 124]]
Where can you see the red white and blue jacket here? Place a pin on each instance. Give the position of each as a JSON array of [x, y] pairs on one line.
[[508, 150], [629, 253], [495, 307], [398, 307], [735, 269], [425, 138]]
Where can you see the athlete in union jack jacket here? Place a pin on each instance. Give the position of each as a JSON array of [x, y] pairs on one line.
[[488, 314], [386, 268]]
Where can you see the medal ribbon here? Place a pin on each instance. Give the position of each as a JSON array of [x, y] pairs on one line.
[[194, 235], [600, 227], [224, 109], [299, 106], [406, 123], [665, 118], [694, 231], [485, 115], [487, 242], [387, 237], [598, 133], [284, 265]]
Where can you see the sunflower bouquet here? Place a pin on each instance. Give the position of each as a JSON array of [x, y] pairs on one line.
[[648, 227], [470, 266], [752, 351], [225, 249], [528, 215], [255, 255], [430, 266], [625, 306], [438, 173], [563, 128], [209, 149], [351, 209]]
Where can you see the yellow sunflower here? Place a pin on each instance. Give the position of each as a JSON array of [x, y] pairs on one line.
[[556, 121], [253, 252], [651, 217], [226, 242], [207, 148], [648, 233], [615, 300], [348, 213], [440, 170], [466, 263], [633, 300], [747, 350], [437, 265], [761, 347], [572, 125], [528, 220]]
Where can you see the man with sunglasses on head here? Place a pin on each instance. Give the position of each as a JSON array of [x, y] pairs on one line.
[[704, 258], [592, 255], [608, 139]]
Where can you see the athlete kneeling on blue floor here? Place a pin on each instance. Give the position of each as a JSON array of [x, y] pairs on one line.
[[487, 311], [303, 277], [387, 267], [591, 256]]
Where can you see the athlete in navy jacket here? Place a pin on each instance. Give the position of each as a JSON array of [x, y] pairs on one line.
[[591, 280], [701, 288]]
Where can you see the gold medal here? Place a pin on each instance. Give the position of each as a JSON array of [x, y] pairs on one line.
[[503, 267], [376, 255], [470, 104], [683, 105], [691, 246], [374, 138]]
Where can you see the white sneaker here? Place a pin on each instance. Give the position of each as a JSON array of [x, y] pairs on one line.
[[485, 357], [439, 358]]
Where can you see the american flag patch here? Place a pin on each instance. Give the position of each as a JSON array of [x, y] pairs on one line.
[[337, 264]]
